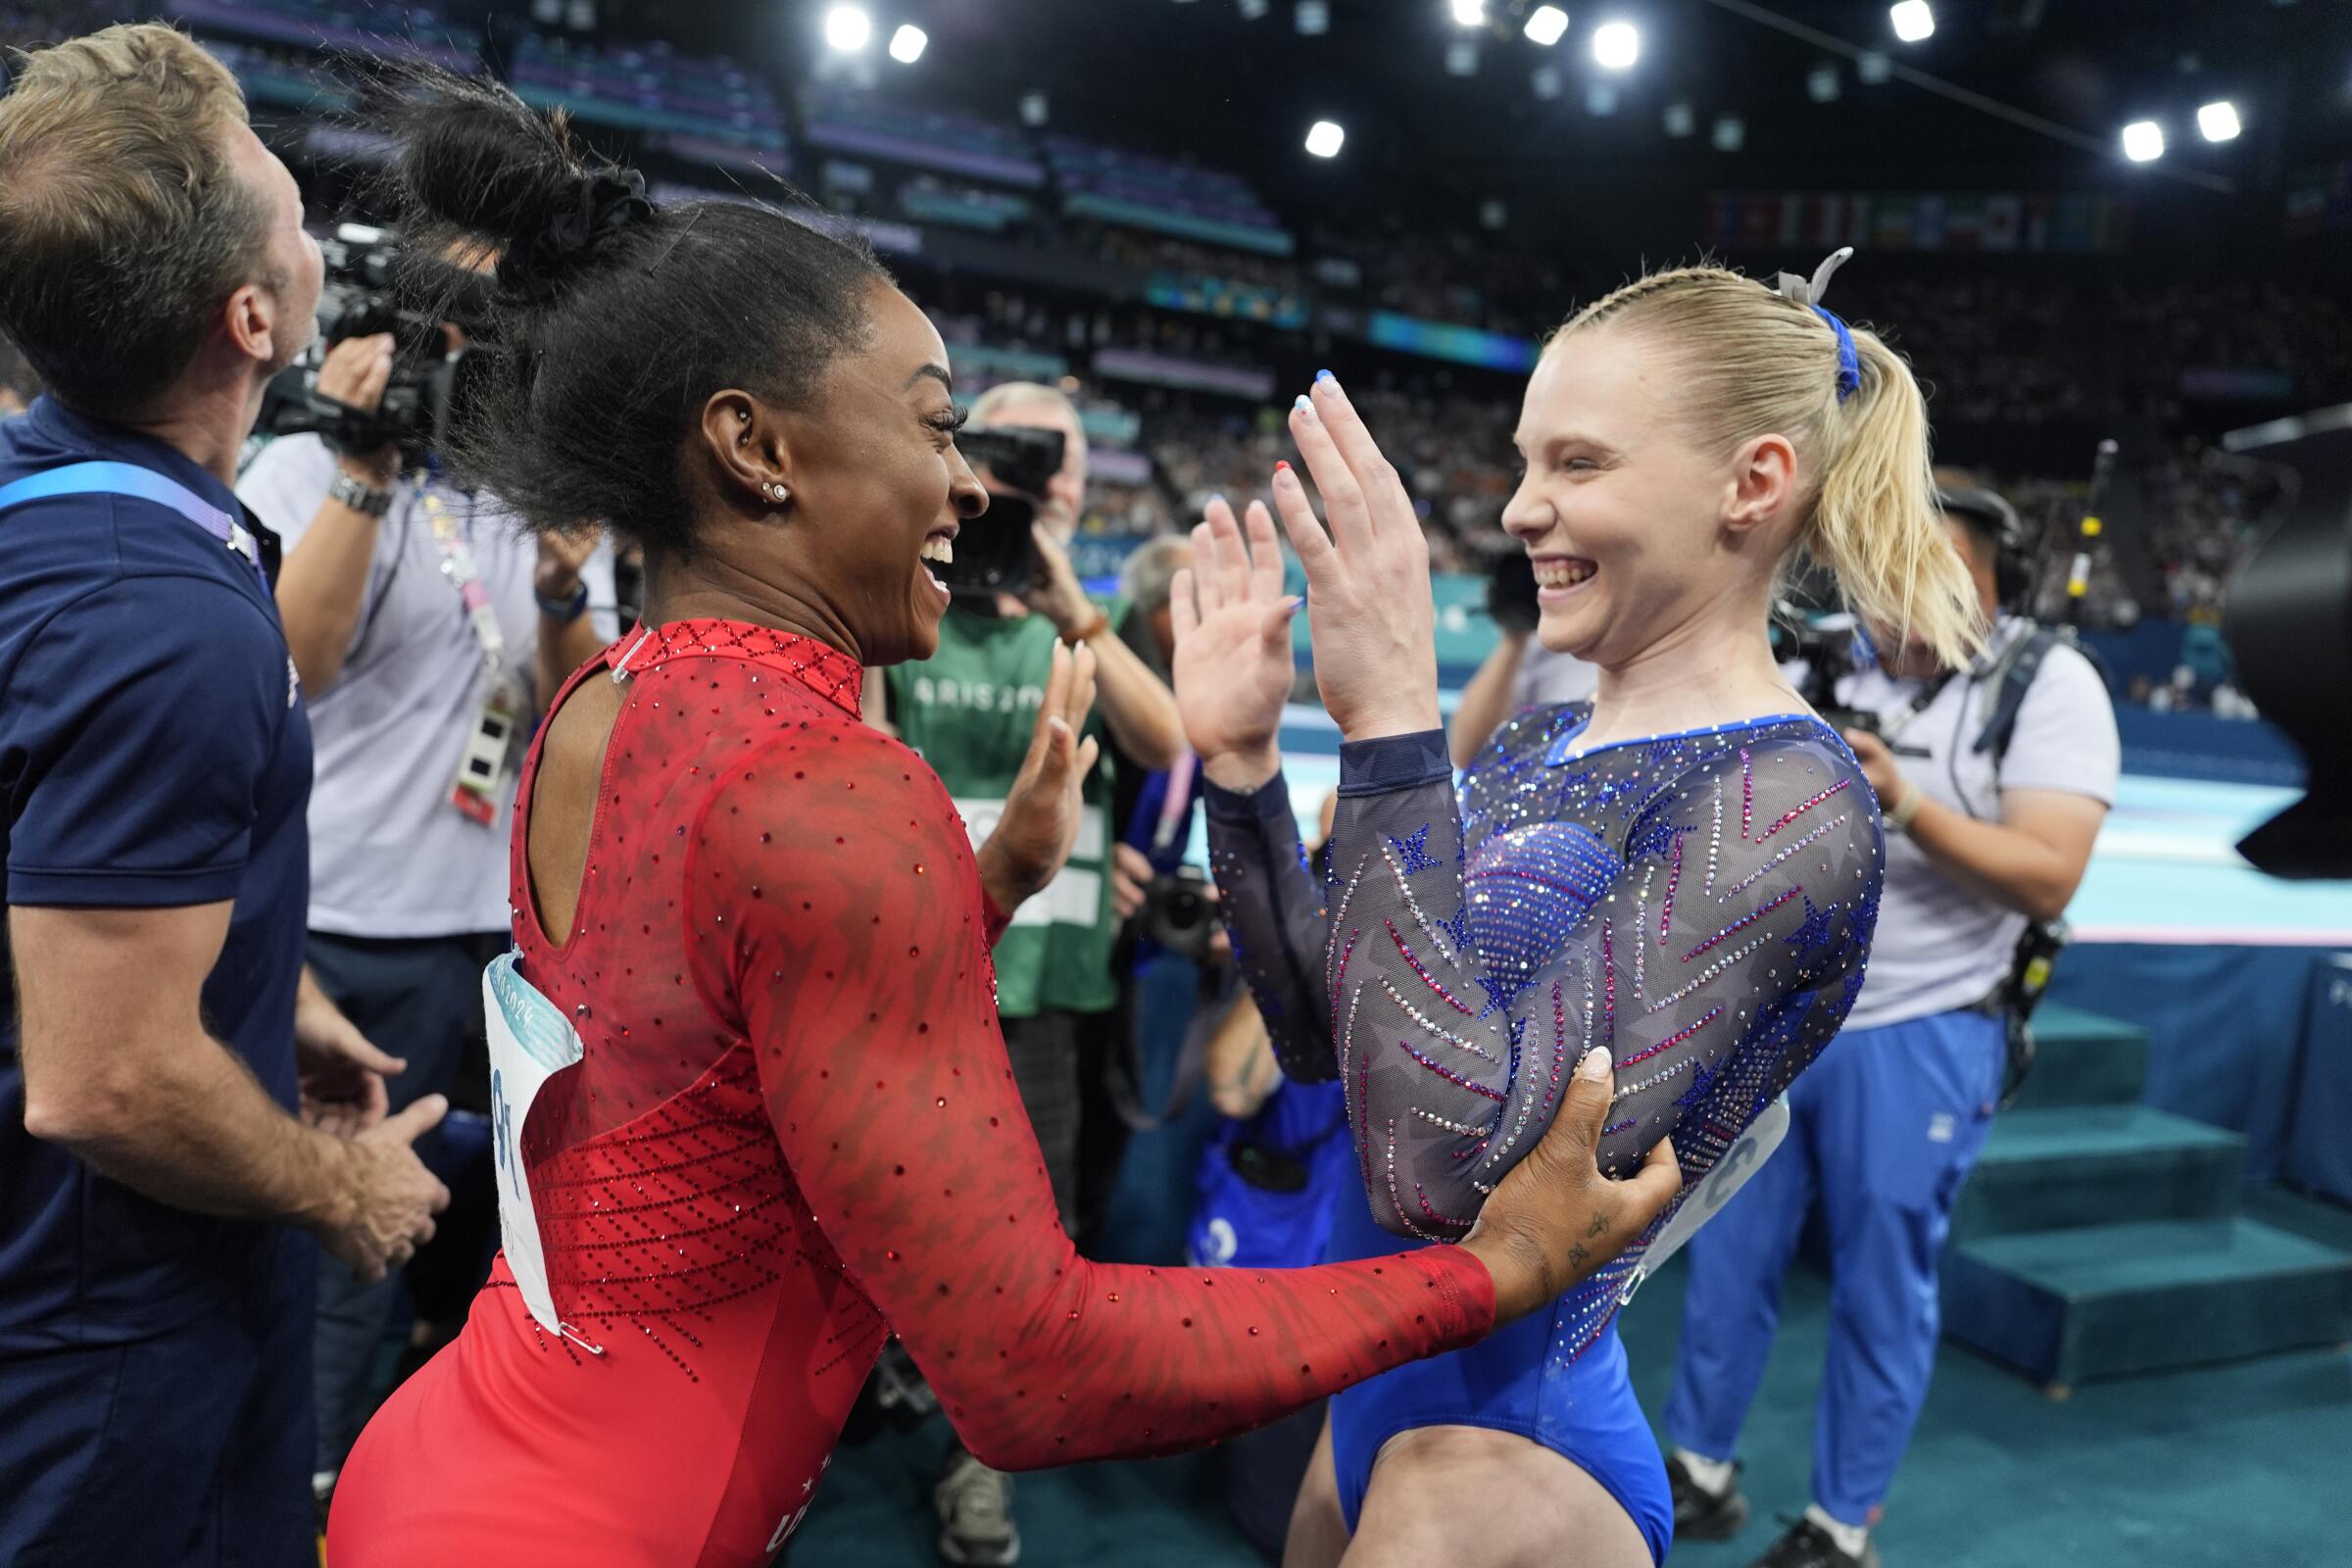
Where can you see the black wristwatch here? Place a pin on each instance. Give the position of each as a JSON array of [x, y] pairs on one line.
[[564, 611], [359, 496]]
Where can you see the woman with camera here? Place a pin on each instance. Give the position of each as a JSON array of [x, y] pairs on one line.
[[1684, 873], [755, 1112]]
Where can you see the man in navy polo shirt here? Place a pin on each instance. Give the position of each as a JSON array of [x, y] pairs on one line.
[[156, 1181]]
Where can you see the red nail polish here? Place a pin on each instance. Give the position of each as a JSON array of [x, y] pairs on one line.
[[1281, 466]]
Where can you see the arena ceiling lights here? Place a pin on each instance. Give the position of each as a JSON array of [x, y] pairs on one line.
[[2219, 121], [1616, 45], [2143, 141], [1546, 26], [907, 45], [1914, 21], [1324, 138], [848, 29]]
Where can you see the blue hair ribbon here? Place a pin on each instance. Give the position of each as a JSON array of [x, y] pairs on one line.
[[1807, 292], [1850, 361]]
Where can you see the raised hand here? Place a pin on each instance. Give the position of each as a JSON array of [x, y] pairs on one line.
[[1367, 580], [1232, 664], [1034, 836]]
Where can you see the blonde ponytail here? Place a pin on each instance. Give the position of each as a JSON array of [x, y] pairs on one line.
[[1756, 362], [1875, 521]]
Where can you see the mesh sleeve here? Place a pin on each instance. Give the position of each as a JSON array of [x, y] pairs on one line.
[[853, 959], [1273, 913], [1712, 959]]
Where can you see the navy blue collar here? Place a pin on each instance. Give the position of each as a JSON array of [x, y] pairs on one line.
[[81, 437]]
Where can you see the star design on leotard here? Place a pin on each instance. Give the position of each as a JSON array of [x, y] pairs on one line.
[[1818, 932], [1702, 1078], [1414, 848], [1457, 932]]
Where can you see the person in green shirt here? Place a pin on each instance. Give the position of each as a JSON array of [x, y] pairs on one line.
[[968, 711]]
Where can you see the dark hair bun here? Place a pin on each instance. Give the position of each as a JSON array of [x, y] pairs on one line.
[[476, 161]]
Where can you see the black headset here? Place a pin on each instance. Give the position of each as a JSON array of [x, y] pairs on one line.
[[2013, 543]]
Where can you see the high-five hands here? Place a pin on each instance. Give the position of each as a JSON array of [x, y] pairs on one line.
[[1367, 580], [1233, 666]]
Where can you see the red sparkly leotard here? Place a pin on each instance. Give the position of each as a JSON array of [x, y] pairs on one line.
[[793, 1133]]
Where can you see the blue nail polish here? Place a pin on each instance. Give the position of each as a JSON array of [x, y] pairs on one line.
[[1302, 406], [1322, 375]]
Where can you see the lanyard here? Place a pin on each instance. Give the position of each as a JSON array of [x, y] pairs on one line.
[[466, 576], [145, 484]]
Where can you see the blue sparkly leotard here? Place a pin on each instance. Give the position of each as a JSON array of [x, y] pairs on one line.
[[1699, 903]]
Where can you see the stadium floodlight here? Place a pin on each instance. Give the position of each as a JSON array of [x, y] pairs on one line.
[[1616, 45], [2143, 141], [848, 29], [1731, 133], [1681, 119], [1470, 13], [1914, 21], [1547, 24], [2219, 121], [1323, 138], [1313, 17], [907, 45]]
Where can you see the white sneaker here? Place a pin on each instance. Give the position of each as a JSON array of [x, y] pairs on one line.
[[975, 1515]]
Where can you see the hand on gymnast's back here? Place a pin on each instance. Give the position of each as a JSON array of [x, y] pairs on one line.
[[1556, 1219]]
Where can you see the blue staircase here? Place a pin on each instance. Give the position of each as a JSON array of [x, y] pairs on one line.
[[2099, 1237]]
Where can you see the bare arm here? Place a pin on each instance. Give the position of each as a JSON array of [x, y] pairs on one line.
[[2030, 861], [323, 582], [120, 1069], [564, 646], [1239, 1063], [1138, 709], [1487, 701]]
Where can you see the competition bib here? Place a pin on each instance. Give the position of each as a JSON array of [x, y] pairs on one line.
[[530, 1041], [1705, 1200]]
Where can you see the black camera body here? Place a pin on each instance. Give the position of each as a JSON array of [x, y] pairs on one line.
[[1825, 643], [994, 553], [362, 296], [1180, 912]]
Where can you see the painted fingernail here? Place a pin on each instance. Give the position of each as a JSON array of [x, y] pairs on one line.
[[1216, 498], [1595, 1064], [1282, 465], [1322, 375], [1302, 406]]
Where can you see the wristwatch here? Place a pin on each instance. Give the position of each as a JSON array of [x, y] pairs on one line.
[[1092, 629], [566, 610], [1898, 817], [359, 496]]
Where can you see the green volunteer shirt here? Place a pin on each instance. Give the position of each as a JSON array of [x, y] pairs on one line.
[[968, 711]]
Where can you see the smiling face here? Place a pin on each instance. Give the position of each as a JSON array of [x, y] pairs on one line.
[[1625, 516], [875, 483]]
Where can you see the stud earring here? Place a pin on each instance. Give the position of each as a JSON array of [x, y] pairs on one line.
[[775, 492]]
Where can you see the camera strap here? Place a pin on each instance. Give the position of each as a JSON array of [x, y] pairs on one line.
[[488, 758], [142, 485]]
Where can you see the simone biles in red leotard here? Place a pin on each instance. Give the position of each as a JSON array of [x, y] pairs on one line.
[[777, 1123]]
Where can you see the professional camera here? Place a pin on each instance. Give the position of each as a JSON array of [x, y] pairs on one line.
[[994, 553], [1511, 589], [1825, 641], [359, 297], [1180, 912]]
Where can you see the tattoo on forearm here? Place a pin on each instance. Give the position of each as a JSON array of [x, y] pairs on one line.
[[1601, 1222], [1577, 1256]]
